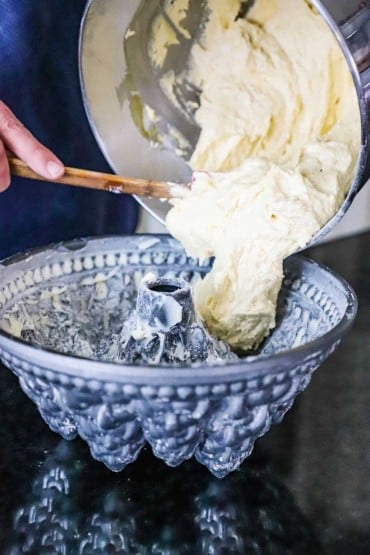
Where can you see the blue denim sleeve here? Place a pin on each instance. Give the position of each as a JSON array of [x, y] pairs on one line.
[[39, 81]]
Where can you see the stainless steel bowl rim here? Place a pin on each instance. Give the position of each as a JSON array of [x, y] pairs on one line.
[[360, 178]]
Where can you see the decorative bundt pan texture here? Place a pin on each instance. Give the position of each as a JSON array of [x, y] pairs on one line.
[[62, 311]]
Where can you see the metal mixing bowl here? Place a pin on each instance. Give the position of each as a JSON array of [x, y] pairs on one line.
[[60, 308], [103, 67]]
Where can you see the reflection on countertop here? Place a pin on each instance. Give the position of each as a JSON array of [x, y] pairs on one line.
[[76, 506], [305, 489]]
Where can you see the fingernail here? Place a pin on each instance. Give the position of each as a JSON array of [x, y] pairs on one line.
[[54, 169]]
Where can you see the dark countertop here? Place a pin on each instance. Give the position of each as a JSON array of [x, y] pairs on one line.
[[305, 489]]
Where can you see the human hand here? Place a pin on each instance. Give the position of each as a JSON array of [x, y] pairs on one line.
[[18, 140]]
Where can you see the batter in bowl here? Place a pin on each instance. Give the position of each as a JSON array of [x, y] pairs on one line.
[[277, 152]]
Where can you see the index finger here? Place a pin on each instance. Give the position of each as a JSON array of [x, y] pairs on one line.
[[23, 144]]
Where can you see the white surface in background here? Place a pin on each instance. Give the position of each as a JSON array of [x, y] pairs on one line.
[[148, 224], [356, 220]]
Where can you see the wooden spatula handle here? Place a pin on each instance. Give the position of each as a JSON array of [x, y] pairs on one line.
[[97, 180]]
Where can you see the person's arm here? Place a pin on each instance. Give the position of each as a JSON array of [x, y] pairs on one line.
[[18, 140]]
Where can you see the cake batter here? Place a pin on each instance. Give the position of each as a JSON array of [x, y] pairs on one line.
[[277, 152]]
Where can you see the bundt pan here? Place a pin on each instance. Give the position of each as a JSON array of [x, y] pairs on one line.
[[63, 310]]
